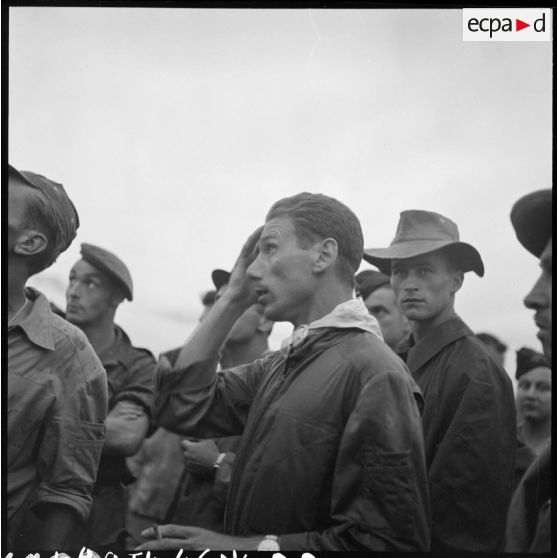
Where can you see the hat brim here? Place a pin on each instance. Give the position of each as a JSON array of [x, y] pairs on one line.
[[466, 255], [531, 217], [220, 277]]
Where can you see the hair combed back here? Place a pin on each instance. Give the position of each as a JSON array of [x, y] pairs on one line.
[[316, 217]]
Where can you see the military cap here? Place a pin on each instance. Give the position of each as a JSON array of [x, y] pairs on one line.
[[110, 265], [423, 232], [531, 217], [368, 281], [527, 360], [220, 277], [62, 211]]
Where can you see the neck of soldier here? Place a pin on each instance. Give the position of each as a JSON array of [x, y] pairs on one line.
[[17, 278], [100, 333], [421, 327], [536, 433], [234, 354]]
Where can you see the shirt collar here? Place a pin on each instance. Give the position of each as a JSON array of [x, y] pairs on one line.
[[349, 314], [434, 341], [36, 320]]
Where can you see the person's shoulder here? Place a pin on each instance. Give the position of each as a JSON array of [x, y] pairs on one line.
[[132, 356], [72, 346], [367, 352]]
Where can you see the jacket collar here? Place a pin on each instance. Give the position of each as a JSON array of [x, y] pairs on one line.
[[433, 342], [36, 320], [351, 314]]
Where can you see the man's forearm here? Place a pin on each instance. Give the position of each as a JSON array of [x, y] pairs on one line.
[[124, 436], [211, 333]]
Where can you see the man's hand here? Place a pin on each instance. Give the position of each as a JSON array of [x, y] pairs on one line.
[[200, 457], [195, 538], [240, 286]]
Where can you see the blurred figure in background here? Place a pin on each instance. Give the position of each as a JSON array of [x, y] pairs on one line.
[[98, 283], [495, 345], [534, 407], [185, 481], [530, 525], [57, 388], [208, 463], [375, 289], [158, 466]]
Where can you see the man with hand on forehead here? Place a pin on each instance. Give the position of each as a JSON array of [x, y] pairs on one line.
[[331, 455], [469, 411]]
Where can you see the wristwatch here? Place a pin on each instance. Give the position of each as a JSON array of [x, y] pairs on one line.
[[270, 543]]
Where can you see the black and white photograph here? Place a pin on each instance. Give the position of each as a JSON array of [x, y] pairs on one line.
[[278, 279]]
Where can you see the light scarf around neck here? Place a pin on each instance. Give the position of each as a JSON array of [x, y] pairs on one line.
[[349, 314]]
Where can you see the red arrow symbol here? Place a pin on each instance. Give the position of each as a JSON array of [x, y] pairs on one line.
[[519, 25]]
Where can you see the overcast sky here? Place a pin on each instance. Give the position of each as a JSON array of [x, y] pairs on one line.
[[174, 130]]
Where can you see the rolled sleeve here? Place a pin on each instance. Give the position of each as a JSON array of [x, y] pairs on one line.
[[71, 447], [138, 387]]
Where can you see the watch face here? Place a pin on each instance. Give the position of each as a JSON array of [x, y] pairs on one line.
[[268, 545]]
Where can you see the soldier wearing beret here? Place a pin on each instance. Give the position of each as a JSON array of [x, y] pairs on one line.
[[375, 289], [57, 388], [98, 283], [530, 525], [469, 409]]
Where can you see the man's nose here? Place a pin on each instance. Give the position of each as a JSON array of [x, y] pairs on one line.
[[72, 290], [254, 269], [535, 299]]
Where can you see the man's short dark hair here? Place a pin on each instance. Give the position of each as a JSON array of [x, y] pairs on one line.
[[315, 217]]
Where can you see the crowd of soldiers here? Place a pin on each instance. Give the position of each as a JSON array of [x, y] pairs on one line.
[[383, 423]]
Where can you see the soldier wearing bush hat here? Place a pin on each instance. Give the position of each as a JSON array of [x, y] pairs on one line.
[[98, 283], [469, 412]]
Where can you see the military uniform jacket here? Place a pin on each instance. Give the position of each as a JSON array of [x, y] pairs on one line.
[[469, 436], [331, 456], [130, 378]]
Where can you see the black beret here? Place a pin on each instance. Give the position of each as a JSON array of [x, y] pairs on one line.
[[527, 359], [220, 277], [368, 281], [531, 217], [110, 265]]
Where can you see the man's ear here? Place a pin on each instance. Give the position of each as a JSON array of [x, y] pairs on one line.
[[326, 254], [457, 281], [30, 243]]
